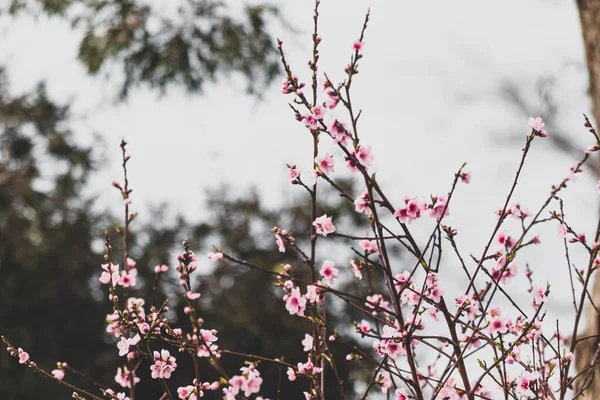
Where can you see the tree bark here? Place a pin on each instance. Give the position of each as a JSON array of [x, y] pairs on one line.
[[586, 352]]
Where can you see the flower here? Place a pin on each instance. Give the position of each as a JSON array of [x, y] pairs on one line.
[[164, 365], [123, 378], [329, 271], [293, 173], [325, 163], [191, 295], [295, 303], [215, 255], [324, 225], [307, 342], [124, 344], [23, 356], [537, 124], [58, 374]]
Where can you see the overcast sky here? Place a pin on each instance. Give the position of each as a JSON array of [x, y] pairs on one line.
[[430, 86]]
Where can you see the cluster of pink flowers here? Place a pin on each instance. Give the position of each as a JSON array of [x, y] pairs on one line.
[[248, 382], [164, 365]]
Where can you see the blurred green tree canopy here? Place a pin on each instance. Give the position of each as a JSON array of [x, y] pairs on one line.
[[176, 43], [52, 303]]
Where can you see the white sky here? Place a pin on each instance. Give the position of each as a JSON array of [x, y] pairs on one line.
[[430, 87]]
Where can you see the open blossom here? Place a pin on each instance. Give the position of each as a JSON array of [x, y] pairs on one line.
[[401, 394], [123, 378], [295, 303], [539, 296], [384, 381], [124, 344], [358, 45], [188, 393], [369, 246], [525, 382], [312, 294], [23, 356], [58, 374], [438, 207], [410, 211], [537, 124], [465, 177], [248, 382], [329, 271], [291, 374], [293, 173], [362, 203], [307, 342], [332, 98], [164, 365], [356, 269], [326, 163], [324, 225], [318, 112], [110, 271], [364, 156], [339, 133], [161, 269]]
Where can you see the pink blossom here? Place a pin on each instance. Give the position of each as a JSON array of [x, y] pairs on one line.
[[58, 374], [192, 295], [324, 225], [291, 374], [465, 177], [364, 156], [325, 163], [293, 173], [537, 124], [128, 278], [295, 303], [539, 296], [364, 326], [215, 255], [164, 365], [369, 246], [339, 133], [356, 269], [358, 45], [329, 271], [362, 203], [280, 243], [439, 203], [333, 98], [110, 270], [307, 342], [123, 378], [384, 381], [401, 394], [318, 112], [23, 356], [161, 269], [310, 121], [497, 325], [525, 382], [186, 392], [124, 344]]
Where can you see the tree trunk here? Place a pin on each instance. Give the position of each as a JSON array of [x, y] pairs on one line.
[[587, 350]]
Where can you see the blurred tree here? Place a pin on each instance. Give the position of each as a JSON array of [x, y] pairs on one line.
[[52, 303], [587, 352], [181, 42], [46, 231]]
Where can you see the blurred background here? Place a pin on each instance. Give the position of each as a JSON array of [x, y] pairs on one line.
[[194, 87]]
